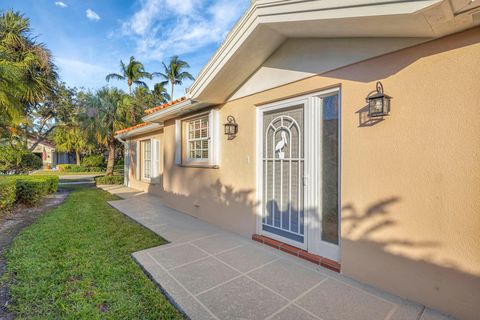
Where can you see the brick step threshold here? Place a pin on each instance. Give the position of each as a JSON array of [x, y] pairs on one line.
[[321, 261]]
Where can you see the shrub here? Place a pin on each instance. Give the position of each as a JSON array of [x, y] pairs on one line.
[[30, 162], [25, 189], [15, 160], [78, 168], [52, 183], [93, 161], [7, 193], [30, 190], [109, 180]]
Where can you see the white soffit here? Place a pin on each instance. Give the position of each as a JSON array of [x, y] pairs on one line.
[[267, 24], [299, 58]]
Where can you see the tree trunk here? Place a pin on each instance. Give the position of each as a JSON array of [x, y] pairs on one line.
[[171, 96], [111, 158], [77, 156]]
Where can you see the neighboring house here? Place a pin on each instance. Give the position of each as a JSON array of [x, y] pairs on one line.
[[393, 199], [46, 151]]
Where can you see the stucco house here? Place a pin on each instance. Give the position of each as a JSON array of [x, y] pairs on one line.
[[50, 157], [349, 130]]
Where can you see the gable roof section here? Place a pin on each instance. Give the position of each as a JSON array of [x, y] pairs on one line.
[[268, 23]]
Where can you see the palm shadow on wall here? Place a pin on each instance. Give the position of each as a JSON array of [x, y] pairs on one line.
[[371, 252], [224, 201]]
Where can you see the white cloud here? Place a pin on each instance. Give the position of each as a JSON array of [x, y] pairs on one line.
[[92, 15], [183, 7], [161, 28], [78, 73], [61, 4], [142, 20]]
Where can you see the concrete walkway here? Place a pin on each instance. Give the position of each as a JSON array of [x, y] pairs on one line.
[[209, 273]]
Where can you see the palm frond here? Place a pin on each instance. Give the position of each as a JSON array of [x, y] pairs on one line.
[[141, 83], [115, 76]]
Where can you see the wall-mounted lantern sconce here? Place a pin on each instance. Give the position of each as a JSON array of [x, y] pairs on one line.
[[378, 102], [231, 128]]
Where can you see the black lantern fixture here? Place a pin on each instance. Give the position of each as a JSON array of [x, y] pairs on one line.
[[378, 102], [231, 128]]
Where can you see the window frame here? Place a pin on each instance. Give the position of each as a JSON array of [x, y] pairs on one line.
[[181, 155], [143, 159], [188, 140]]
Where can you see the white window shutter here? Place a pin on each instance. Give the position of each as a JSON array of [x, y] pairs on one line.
[[155, 161], [178, 141], [137, 160], [126, 163], [214, 138]]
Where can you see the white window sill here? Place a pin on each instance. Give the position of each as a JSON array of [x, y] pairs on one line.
[[199, 165]]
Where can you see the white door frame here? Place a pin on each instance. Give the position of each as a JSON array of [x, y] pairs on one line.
[[312, 171]]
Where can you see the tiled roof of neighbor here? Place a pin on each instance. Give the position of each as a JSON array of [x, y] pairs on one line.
[[165, 105], [143, 124]]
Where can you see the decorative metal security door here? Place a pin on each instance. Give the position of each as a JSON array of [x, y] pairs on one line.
[[283, 171]]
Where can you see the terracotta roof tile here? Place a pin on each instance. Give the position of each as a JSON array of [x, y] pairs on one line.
[[165, 105], [143, 124]]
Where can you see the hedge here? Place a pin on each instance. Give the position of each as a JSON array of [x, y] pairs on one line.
[[31, 191], [25, 189], [52, 183], [78, 168], [109, 180], [7, 193], [18, 160], [97, 160]]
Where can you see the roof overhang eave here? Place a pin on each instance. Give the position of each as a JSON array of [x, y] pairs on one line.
[[145, 129], [172, 111]]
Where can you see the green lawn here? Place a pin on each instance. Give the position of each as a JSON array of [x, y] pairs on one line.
[[74, 262], [63, 173]]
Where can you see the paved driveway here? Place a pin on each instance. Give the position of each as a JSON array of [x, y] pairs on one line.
[[209, 273]]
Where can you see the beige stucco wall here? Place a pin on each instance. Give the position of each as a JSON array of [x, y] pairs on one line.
[[410, 220]]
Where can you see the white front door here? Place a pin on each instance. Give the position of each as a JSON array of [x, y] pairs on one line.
[[298, 172]]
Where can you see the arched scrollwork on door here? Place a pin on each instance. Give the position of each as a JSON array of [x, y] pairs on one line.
[[283, 166]]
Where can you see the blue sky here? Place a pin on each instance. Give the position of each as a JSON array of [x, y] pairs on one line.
[[88, 38]]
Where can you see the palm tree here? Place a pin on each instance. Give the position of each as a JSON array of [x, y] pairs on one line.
[[133, 73], [112, 113], [27, 72], [160, 94], [174, 73]]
